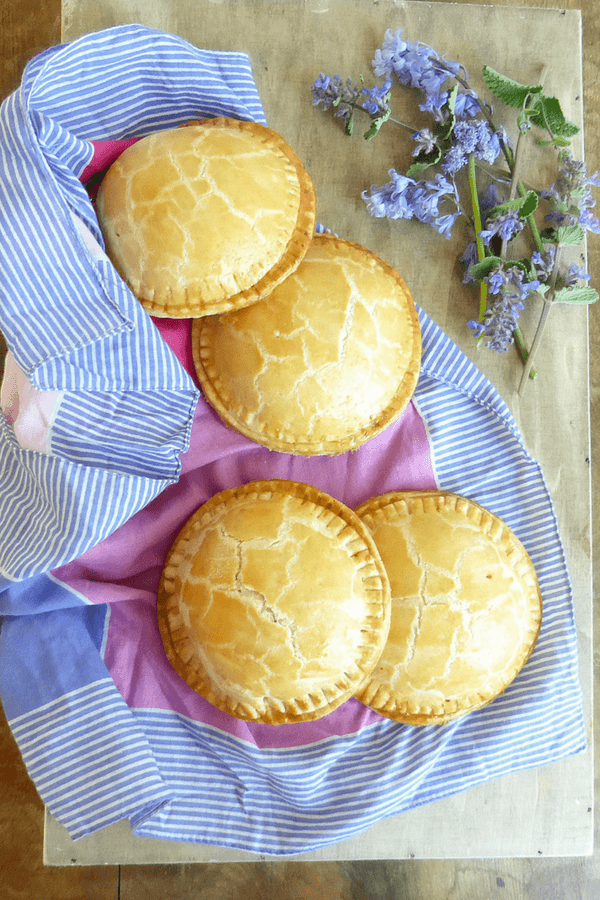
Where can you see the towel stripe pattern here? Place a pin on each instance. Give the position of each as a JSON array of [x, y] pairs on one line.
[[69, 320]]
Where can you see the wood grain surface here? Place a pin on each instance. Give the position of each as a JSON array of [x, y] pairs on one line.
[[25, 28]]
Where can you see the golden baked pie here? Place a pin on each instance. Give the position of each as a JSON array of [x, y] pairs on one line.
[[324, 363], [206, 217], [466, 606], [274, 604]]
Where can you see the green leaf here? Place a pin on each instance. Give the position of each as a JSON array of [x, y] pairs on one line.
[[547, 113], [526, 206], [445, 129], [482, 269], [580, 295], [510, 92], [569, 235], [529, 204], [376, 123], [424, 161]]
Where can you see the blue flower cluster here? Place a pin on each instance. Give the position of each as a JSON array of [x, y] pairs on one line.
[[510, 287], [462, 132], [571, 196], [405, 198], [471, 137], [343, 95], [419, 66]]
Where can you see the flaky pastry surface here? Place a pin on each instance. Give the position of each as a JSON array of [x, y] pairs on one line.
[[323, 364], [207, 217], [466, 606], [274, 604]]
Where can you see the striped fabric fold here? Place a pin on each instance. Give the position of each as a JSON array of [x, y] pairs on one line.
[[70, 321], [88, 763]]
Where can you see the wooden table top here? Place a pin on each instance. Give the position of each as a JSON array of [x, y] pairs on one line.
[[516, 815]]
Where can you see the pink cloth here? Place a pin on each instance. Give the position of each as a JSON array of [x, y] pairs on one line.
[[28, 411], [105, 153]]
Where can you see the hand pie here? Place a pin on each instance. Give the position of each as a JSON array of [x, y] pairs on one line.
[[274, 604], [207, 217], [466, 606], [324, 363]]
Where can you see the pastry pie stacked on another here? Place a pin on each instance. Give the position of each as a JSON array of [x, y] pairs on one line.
[[207, 217], [466, 606], [324, 363], [274, 604]]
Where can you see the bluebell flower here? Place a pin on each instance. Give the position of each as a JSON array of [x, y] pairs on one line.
[[490, 197], [466, 105], [468, 260], [435, 105], [387, 58], [378, 98], [424, 140], [406, 198], [391, 200], [506, 225], [468, 135], [445, 224]]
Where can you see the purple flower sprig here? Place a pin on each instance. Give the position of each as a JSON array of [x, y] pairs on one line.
[[346, 97], [462, 135]]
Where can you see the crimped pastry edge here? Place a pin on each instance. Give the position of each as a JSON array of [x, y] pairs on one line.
[[302, 445], [301, 709], [382, 699]]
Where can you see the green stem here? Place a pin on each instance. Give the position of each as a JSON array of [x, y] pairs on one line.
[[548, 300], [483, 288]]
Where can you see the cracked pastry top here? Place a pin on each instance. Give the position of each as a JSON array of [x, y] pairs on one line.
[[323, 364], [466, 606], [207, 217], [274, 604]]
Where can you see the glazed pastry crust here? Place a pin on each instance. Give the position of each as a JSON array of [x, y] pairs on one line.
[[466, 606], [206, 218], [323, 364], [274, 604]]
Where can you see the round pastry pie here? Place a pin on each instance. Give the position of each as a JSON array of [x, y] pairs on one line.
[[207, 217], [274, 604], [466, 606], [324, 363]]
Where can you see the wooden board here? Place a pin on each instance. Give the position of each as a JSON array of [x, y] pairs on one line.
[[545, 811]]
